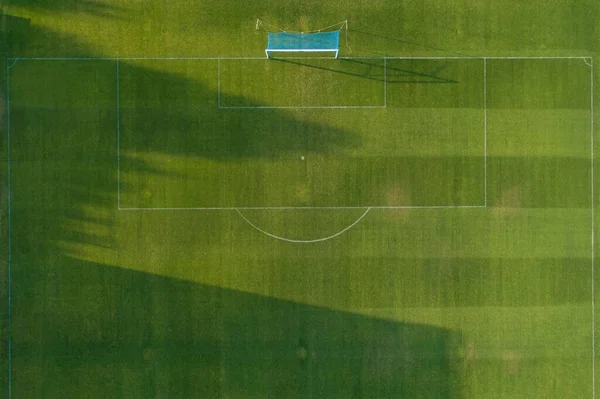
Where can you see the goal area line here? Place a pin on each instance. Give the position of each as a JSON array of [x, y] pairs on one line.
[[382, 103]]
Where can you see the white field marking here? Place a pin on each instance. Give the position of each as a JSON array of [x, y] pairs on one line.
[[539, 58], [303, 241], [14, 62], [415, 58], [485, 132], [295, 207], [302, 107], [9, 225], [385, 83], [469, 58], [591, 64], [476, 58], [305, 58], [134, 58], [165, 58], [118, 139]]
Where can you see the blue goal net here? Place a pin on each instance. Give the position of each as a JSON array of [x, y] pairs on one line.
[[293, 42], [323, 40]]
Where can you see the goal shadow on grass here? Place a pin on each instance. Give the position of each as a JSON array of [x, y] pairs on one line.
[[375, 70], [383, 41]]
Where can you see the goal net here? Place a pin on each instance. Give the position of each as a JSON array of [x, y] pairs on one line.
[[322, 40]]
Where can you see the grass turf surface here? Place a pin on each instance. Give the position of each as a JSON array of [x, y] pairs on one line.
[[457, 303]]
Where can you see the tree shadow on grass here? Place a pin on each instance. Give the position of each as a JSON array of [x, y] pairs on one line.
[[82, 328], [93, 7], [14, 34], [163, 112], [123, 333], [4, 241]]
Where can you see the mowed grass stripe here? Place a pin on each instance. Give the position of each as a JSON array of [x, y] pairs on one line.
[[316, 181], [540, 176]]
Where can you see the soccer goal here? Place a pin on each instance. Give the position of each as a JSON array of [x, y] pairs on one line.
[[322, 40]]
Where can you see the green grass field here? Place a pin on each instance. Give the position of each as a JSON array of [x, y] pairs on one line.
[[414, 220]]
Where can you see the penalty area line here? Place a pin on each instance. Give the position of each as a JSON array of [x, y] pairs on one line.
[[9, 227], [219, 83], [118, 137], [485, 182], [593, 243], [296, 208]]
